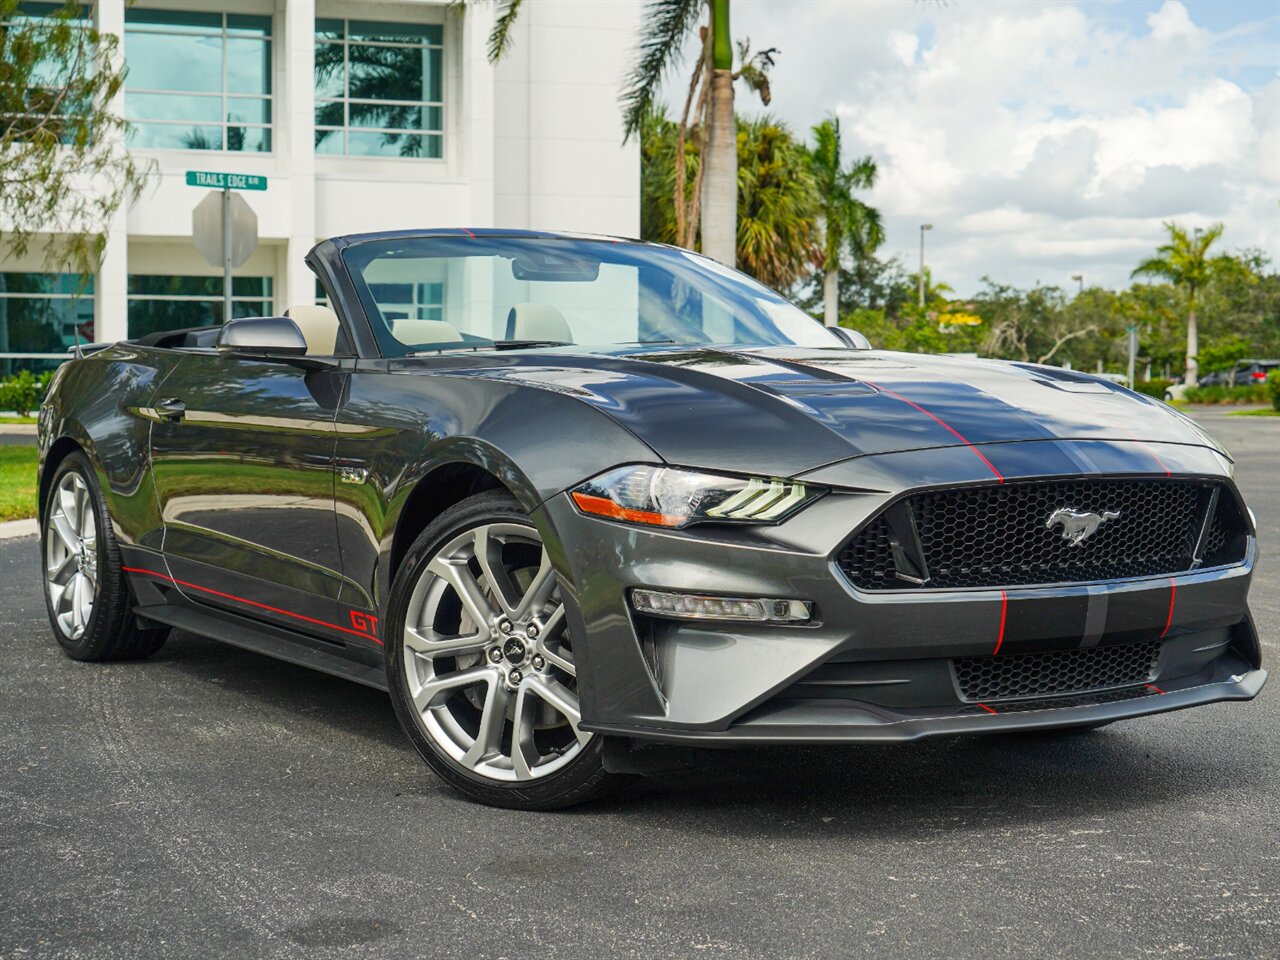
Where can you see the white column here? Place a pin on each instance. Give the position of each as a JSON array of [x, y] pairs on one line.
[[475, 109], [110, 284], [296, 128]]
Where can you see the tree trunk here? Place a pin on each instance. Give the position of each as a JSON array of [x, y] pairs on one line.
[[1193, 349], [720, 148], [831, 298]]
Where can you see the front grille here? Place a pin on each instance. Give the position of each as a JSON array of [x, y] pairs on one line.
[[997, 535], [991, 679]]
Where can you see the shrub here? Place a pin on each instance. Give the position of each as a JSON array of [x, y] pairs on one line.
[[1154, 388], [1273, 386], [21, 392], [1249, 393]]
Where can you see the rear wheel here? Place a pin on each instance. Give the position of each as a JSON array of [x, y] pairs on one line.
[[480, 661], [88, 598]]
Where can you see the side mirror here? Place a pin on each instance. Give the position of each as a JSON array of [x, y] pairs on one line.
[[261, 337], [851, 338]]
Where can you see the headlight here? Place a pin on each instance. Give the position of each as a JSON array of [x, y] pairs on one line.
[[668, 497]]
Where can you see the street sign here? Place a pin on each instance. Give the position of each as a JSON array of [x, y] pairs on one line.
[[225, 181], [206, 228]]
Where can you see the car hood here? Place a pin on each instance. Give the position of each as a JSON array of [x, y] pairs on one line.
[[788, 410]]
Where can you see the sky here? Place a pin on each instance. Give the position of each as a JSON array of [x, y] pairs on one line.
[[1041, 138]]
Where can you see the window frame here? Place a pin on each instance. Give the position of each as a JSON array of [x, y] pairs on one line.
[[85, 296], [397, 16], [223, 96]]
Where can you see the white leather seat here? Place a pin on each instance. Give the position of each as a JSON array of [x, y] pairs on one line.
[[413, 331], [537, 321], [319, 326]]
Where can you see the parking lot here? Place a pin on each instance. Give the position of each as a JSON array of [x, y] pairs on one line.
[[211, 802]]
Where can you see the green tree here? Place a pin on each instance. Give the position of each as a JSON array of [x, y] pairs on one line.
[[778, 204], [1184, 261], [848, 224], [64, 169]]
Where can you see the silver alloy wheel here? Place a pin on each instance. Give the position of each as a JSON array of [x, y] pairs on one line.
[[71, 555], [488, 661]]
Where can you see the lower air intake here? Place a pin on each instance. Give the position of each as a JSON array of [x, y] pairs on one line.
[[1062, 672]]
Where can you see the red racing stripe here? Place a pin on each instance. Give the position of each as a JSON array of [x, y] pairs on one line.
[[1173, 596], [1152, 686], [950, 429], [986, 708], [1152, 454], [252, 603], [1004, 610]]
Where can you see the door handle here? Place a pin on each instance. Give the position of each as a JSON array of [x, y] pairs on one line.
[[171, 409]]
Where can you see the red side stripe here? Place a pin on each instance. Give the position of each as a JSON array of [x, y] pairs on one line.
[[1173, 596], [950, 429], [252, 603], [1152, 686], [467, 232], [986, 708], [1152, 454], [1004, 610]]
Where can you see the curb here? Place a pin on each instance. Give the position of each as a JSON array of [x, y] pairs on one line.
[[14, 529], [20, 429]]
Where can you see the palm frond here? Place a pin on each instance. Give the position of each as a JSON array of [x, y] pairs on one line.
[[666, 24], [500, 39]]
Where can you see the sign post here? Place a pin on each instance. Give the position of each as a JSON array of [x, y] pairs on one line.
[[223, 226]]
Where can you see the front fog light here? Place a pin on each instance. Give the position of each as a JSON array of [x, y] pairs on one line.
[[688, 606]]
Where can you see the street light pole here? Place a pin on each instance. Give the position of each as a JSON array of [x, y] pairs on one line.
[[1079, 278], [923, 228]]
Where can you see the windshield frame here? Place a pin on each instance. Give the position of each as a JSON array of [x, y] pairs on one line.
[[356, 253]]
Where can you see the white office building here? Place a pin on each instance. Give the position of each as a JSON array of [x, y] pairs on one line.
[[362, 115]]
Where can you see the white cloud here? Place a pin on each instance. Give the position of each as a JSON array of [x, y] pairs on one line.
[[1042, 140]]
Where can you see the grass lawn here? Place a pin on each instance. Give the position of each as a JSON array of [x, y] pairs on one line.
[[29, 420], [1264, 412], [17, 482]]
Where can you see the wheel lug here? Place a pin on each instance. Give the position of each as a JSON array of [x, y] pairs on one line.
[[538, 663], [495, 655], [515, 676], [504, 626], [531, 631]]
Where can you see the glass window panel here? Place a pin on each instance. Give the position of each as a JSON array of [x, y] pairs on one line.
[[384, 116], [185, 21], [331, 113], [174, 63], [43, 325], [432, 75], [433, 118], [173, 136], [330, 78], [248, 110], [329, 30], [248, 66], [395, 32], [329, 142], [393, 145], [170, 106], [36, 10], [242, 25], [384, 73], [249, 139]]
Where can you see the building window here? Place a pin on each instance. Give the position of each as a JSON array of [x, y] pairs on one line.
[[159, 303], [409, 301], [198, 81], [41, 315], [379, 89]]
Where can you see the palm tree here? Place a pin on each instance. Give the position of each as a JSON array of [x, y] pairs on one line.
[[1185, 262], [778, 204], [711, 210], [847, 222]]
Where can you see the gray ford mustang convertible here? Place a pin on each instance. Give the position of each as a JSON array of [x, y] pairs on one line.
[[566, 498]]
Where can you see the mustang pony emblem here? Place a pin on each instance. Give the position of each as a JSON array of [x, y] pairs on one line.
[[1079, 525]]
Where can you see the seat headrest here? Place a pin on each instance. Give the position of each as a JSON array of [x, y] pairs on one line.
[[411, 331], [319, 326], [537, 321]]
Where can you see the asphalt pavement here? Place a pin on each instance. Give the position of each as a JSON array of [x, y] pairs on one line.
[[210, 802]]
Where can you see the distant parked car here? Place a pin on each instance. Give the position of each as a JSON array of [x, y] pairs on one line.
[[1244, 373]]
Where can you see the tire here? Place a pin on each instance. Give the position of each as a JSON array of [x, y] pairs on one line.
[[86, 592], [480, 665]]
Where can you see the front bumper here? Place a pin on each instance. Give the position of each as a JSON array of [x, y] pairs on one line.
[[890, 652]]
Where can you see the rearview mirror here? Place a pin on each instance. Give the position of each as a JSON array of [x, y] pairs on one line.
[[851, 338], [262, 337]]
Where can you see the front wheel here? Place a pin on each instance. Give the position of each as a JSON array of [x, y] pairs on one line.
[[480, 661]]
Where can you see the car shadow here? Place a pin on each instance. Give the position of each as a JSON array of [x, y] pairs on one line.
[[912, 790]]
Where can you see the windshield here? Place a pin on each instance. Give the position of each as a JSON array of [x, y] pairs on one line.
[[440, 293]]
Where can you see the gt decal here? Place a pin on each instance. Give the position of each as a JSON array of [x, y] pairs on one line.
[[364, 623]]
